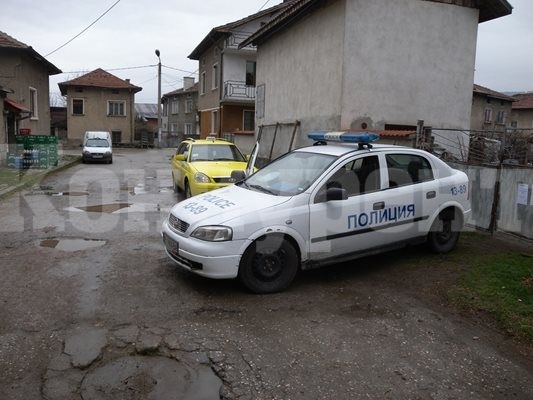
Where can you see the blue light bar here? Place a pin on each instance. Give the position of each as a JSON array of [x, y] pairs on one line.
[[346, 137]]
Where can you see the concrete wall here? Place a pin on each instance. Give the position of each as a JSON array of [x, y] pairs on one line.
[[480, 104], [407, 60], [18, 73], [95, 114], [301, 70], [524, 118], [379, 62]]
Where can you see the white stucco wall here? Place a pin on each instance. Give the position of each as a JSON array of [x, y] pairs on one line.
[[407, 60], [301, 69], [374, 61]]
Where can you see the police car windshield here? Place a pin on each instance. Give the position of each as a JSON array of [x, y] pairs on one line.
[[291, 174]]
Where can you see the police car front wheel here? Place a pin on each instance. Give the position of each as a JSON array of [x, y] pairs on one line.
[[269, 265]]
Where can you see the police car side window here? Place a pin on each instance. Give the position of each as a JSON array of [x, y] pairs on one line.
[[357, 177], [407, 169]]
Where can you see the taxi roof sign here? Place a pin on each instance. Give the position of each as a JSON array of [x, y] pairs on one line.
[[345, 137]]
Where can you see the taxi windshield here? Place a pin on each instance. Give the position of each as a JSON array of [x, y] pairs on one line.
[[215, 152], [289, 175]]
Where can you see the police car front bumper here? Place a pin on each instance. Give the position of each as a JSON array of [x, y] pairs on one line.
[[217, 260]]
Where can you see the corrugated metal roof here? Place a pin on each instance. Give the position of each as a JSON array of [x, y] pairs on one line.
[[99, 78], [146, 110]]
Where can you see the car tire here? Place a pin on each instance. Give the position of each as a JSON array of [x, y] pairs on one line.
[[175, 185], [187, 190], [269, 265], [445, 231]]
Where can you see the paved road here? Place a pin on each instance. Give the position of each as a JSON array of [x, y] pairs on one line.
[[91, 308]]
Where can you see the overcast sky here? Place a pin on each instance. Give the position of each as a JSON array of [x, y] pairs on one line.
[[123, 41]]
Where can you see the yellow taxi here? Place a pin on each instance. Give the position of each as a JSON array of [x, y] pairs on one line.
[[205, 164]]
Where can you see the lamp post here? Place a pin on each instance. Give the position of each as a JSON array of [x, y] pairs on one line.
[[157, 53]]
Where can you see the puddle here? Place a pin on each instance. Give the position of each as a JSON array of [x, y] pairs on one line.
[[71, 244], [105, 208]]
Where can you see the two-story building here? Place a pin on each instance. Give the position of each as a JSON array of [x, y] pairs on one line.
[[24, 91], [180, 112], [369, 64], [100, 101], [490, 109], [522, 111], [227, 75]]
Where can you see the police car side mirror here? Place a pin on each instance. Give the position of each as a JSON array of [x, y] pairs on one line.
[[335, 193], [237, 176]]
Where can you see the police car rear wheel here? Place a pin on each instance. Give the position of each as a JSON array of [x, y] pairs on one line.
[[444, 233], [268, 265]]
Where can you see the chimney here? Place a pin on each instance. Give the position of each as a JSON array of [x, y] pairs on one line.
[[127, 80], [188, 82]]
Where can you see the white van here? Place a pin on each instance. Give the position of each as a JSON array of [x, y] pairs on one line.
[[97, 147]]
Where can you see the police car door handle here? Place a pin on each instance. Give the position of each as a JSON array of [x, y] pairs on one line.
[[431, 195], [379, 205]]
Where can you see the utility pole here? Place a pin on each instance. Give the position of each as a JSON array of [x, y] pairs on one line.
[[157, 53]]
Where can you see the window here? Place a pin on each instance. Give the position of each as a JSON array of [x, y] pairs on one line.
[[214, 121], [188, 106], [33, 103], [183, 149], [173, 127], [214, 77], [248, 120], [78, 107], [116, 108], [488, 115], [202, 83], [174, 106], [514, 124], [250, 73], [406, 169], [116, 136], [500, 119], [187, 128]]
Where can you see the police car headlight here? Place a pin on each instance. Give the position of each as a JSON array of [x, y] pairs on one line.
[[213, 233], [201, 178]]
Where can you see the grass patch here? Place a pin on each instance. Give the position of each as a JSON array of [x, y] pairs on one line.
[[501, 285]]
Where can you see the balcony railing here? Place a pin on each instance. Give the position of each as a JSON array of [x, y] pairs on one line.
[[238, 90]]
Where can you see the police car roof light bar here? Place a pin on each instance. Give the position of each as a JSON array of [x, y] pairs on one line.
[[362, 138]]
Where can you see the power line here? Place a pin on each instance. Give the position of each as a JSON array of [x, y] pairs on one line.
[[263, 6], [79, 34], [181, 70], [114, 69]]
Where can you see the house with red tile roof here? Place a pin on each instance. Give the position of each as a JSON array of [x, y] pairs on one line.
[[522, 112], [24, 91], [100, 101], [369, 64]]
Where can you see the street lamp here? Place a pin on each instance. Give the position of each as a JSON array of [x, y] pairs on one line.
[[157, 53]]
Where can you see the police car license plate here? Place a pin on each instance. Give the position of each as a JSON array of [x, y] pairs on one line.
[[171, 245]]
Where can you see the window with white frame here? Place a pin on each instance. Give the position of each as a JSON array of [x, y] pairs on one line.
[[78, 107], [488, 114], [214, 77], [173, 127], [116, 108], [187, 128], [33, 103], [202, 83], [175, 106], [248, 120], [188, 106]]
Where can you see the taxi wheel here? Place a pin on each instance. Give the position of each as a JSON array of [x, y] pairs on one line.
[[269, 265], [444, 232], [175, 185], [187, 190]]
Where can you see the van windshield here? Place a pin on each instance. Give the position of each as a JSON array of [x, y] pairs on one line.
[[97, 143]]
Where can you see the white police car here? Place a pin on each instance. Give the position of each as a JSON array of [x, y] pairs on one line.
[[318, 205]]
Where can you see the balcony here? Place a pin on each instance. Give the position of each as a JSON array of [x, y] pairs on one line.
[[239, 91]]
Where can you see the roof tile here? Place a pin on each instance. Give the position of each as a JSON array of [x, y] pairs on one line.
[[99, 78]]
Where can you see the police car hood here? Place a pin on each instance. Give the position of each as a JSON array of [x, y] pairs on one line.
[[221, 205]]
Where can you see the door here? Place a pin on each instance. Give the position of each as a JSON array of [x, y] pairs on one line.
[[179, 164]]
